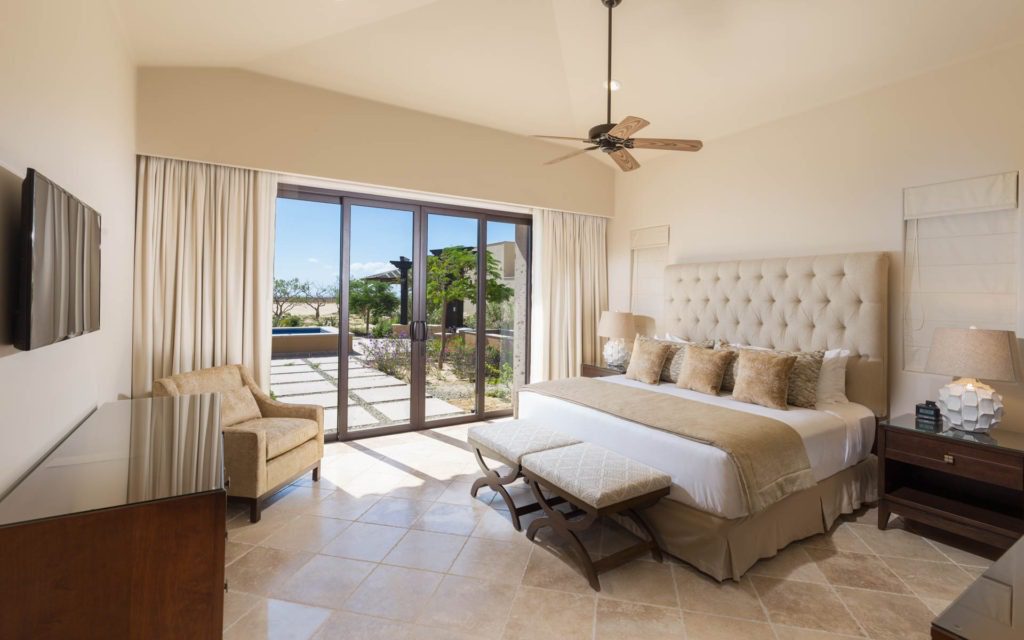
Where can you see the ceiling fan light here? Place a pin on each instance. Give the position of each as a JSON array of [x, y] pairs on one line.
[[615, 85]]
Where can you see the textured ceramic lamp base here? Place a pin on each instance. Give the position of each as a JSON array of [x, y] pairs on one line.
[[616, 353], [970, 405]]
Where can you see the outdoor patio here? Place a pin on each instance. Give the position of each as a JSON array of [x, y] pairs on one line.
[[374, 399]]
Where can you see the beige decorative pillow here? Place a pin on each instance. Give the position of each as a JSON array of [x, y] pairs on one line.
[[703, 368], [762, 377], [647, 360], [729, 380], [674, 362], [238, 406], [803, 379]]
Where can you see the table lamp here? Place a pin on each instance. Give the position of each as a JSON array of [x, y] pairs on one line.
[[969, 354], [618, 327]]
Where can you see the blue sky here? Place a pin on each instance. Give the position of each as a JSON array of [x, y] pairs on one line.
[[308, 238]]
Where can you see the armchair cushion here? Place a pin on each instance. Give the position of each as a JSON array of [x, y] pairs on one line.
[[237, 406], [280, 434]]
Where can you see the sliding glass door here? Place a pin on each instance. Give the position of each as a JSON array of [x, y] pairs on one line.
[[432, 307]]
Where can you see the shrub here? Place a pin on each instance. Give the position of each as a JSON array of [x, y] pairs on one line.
[[330, 321], [499, 381], [388, 355], [382, 329], [289, 321]]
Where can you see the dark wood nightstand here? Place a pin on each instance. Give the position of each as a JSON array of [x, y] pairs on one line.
[[595, 371], [971, 484]]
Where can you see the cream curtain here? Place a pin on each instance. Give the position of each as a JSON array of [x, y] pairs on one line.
[[570, 291], [204, 238]]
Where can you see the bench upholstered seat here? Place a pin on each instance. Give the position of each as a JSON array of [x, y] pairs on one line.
[[596, 476], [513, 440]]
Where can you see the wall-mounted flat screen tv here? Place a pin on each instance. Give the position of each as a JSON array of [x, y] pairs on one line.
[[59, 284]]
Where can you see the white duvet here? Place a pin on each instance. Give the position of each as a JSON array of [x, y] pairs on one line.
[[836, 436]]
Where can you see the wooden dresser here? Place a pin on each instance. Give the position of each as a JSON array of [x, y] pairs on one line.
[[118, 532], [971, 484]]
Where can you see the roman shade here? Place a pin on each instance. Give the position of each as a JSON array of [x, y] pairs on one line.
[[962, 264]]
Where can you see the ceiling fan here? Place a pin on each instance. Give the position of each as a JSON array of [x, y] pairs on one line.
[[616, 139]]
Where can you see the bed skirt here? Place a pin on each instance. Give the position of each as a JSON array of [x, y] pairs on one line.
[[725, 548]]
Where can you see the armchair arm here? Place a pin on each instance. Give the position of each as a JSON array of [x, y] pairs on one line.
[[245, 461]]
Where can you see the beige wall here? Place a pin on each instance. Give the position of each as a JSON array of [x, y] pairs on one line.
[[67, 110], [830, 180], [246, 119]]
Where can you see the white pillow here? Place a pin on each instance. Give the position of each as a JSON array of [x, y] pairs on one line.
[[832, 379], [671, 338]]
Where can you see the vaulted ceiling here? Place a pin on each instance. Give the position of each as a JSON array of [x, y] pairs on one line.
[[694, 68]]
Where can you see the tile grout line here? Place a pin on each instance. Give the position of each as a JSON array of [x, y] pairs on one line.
[[909, 588]]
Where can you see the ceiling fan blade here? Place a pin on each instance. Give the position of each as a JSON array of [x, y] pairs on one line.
[[629, 126], [561, 138], [625, 160], [666, 144], [570, 155]]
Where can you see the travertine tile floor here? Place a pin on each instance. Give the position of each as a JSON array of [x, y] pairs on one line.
[[390, 545]]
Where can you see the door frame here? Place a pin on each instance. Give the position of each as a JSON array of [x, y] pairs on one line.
[[421, 211]]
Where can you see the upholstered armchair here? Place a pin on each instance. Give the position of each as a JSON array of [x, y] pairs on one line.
[[267, 444]]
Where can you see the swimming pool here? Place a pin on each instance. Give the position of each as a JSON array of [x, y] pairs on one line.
[[301, 331]]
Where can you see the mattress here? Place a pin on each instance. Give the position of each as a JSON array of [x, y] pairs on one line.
[[836, 436]]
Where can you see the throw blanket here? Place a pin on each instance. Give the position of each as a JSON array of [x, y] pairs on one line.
[[769, 455]]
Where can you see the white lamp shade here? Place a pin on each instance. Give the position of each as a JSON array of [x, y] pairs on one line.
[[617, 324], [973, 353]]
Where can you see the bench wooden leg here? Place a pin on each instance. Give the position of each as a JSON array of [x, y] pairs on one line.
[[566, 529], [491, 478], [652, 542]]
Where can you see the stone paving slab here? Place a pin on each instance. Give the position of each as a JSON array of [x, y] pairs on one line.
[[434, 407], [360, 417], [274, 364], [324, 360], [384, 394], [296, 388], [322, 399], [301, 376], [363, 372], [328, 366], [374, 382]]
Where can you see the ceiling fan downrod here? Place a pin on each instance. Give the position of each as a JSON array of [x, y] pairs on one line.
[[611, 4]]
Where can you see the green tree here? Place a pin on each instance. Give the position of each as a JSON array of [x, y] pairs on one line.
[[321, 295], [451, 276], [371, 299], [287, 294]]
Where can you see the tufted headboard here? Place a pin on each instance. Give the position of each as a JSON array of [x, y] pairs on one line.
[[796, 304]]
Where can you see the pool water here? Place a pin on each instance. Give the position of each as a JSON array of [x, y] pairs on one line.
[[292, 331]]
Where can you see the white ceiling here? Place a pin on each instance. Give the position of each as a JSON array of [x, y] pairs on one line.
[[694, 68]]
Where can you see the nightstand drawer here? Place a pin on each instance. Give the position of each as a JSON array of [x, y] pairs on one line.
[[994, 467]]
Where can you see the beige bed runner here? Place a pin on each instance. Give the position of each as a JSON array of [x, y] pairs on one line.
[[769, 455]]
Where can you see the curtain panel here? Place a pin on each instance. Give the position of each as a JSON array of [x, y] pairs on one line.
[[204, 238], [570, 291]]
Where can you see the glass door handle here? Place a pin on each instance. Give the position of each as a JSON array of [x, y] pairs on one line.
[[419, 331]]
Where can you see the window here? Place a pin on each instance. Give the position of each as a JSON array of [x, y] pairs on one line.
[[962, 260]]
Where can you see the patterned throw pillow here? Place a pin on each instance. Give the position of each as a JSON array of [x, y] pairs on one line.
[[803, 379], [647, 360], [702, 369], [762, 377]]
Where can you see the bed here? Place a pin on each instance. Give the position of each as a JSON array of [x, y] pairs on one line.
[[796, 304]]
